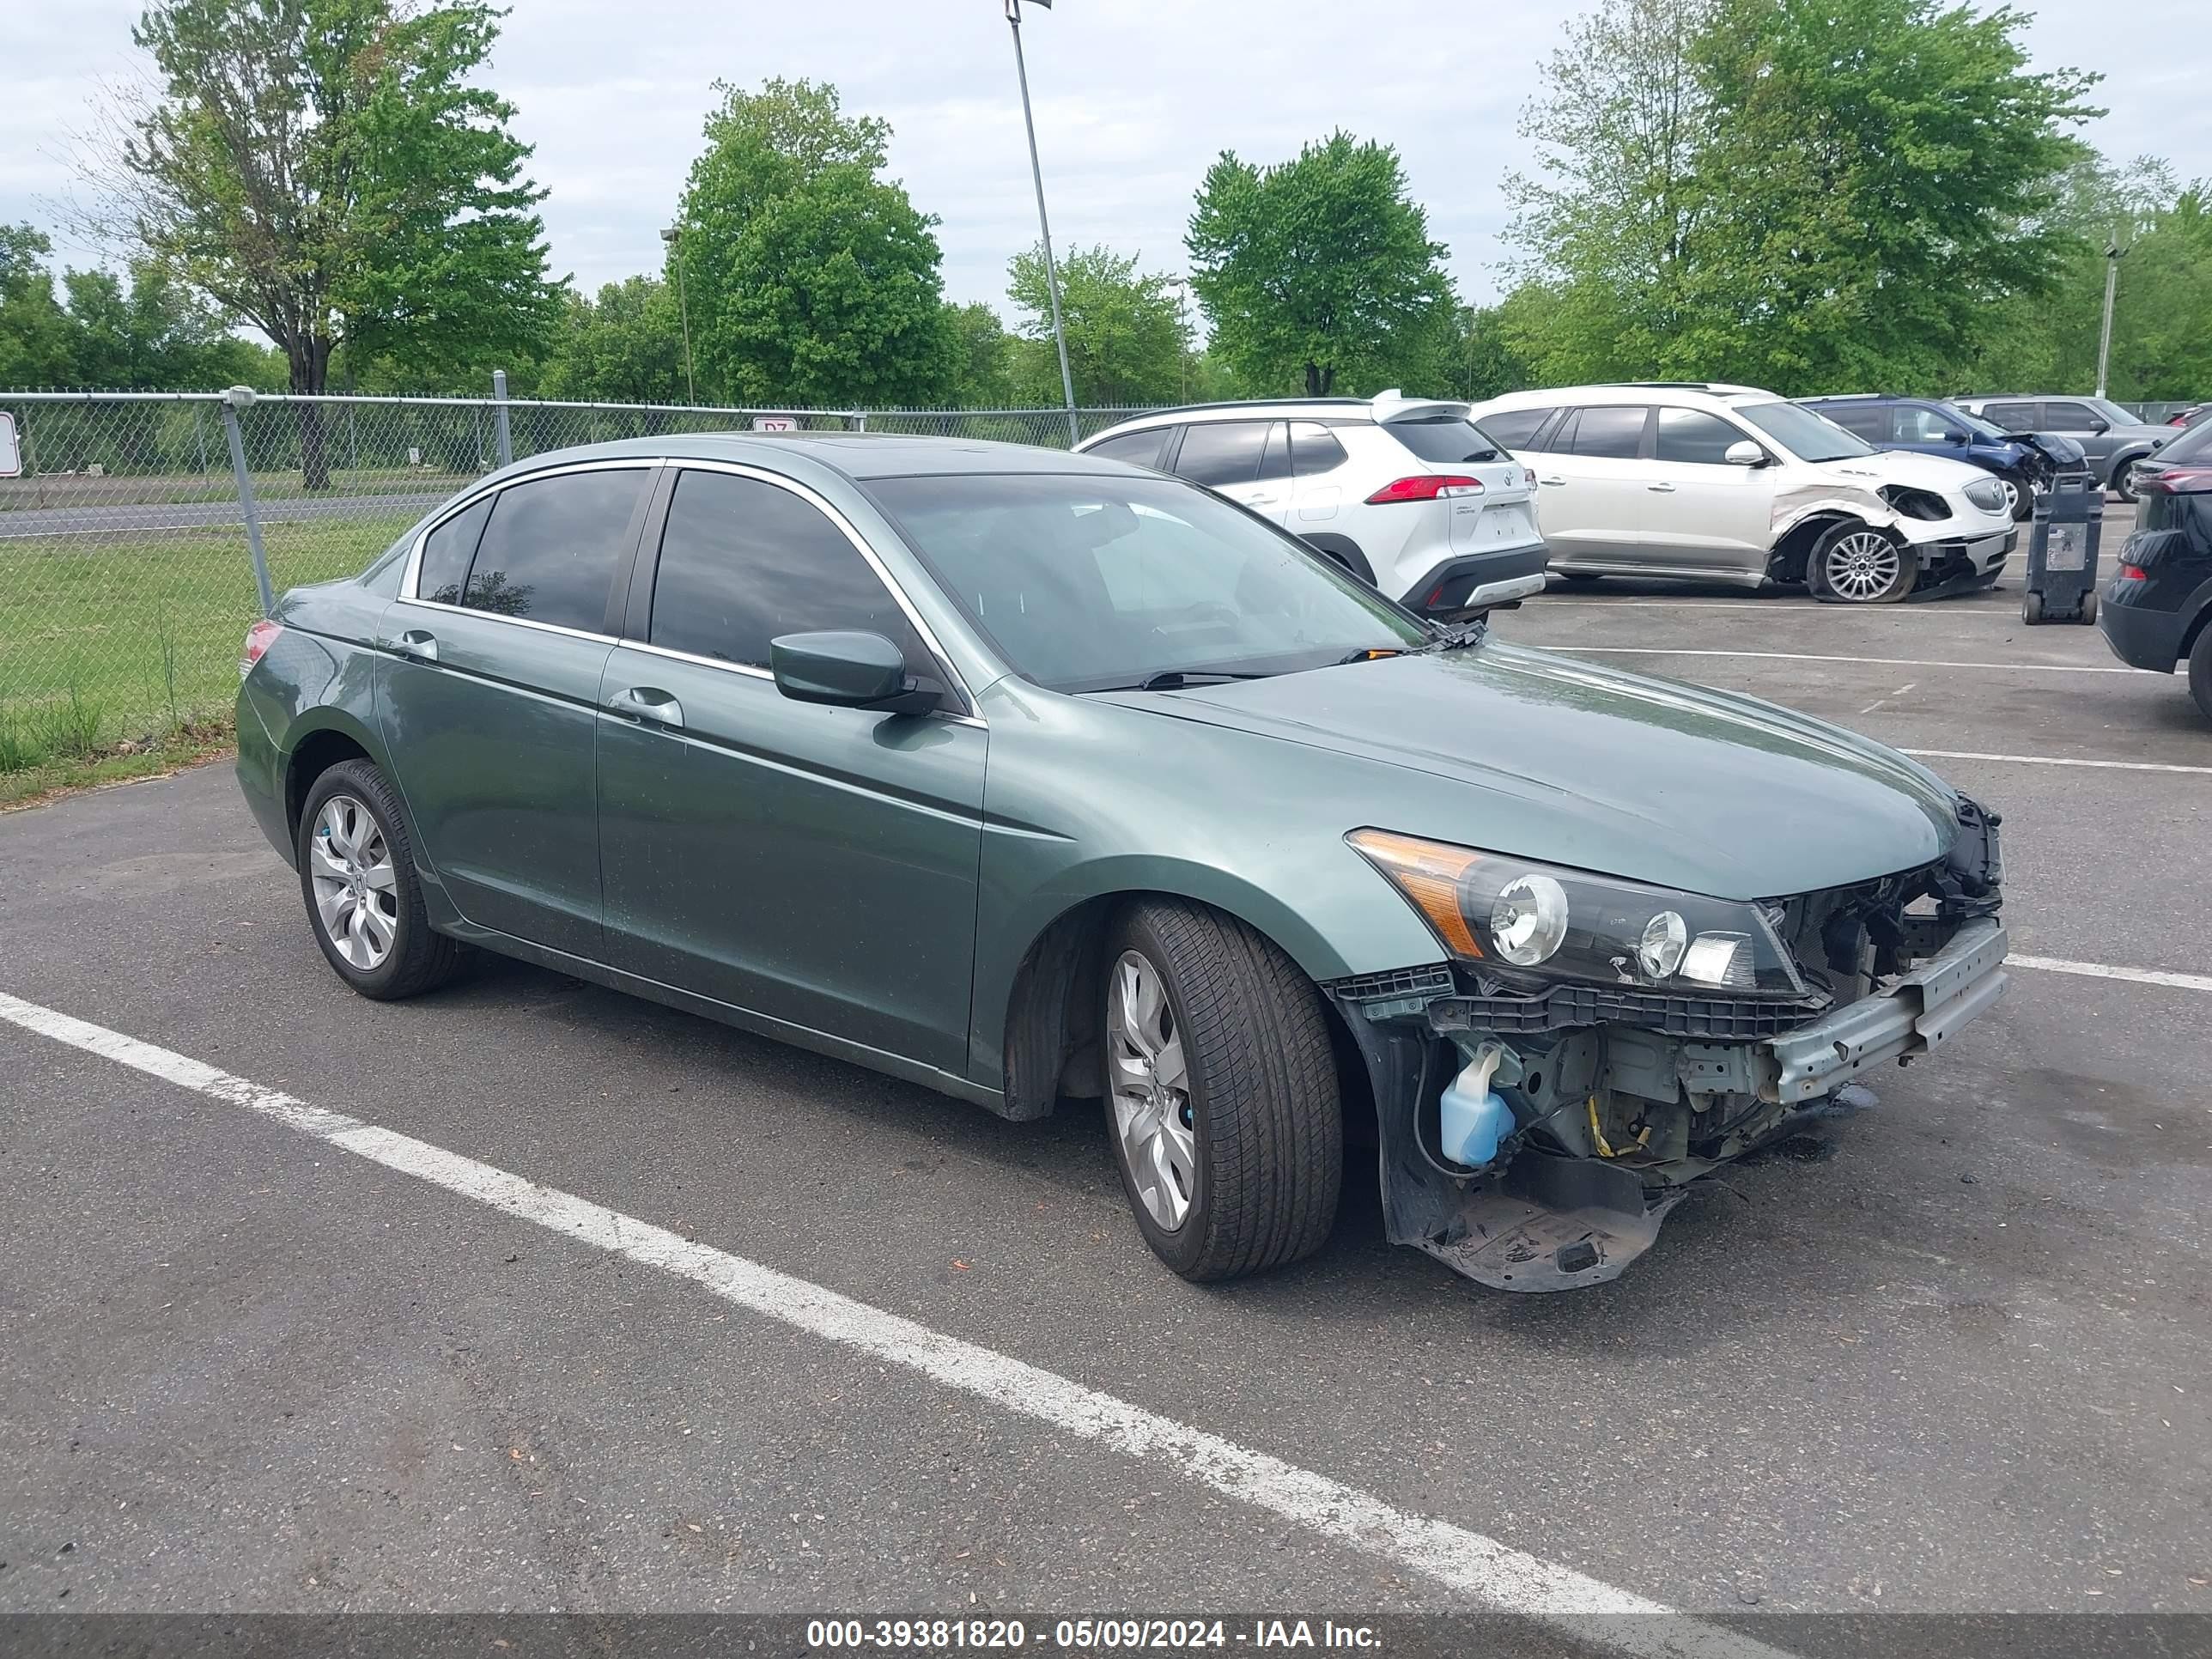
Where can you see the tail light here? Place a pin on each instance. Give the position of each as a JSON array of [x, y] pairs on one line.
[[2133, 573], [259, 639], [2175, 481], [1425, 486]]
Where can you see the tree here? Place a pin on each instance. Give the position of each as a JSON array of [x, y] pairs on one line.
[[1126, 338], [1886, 167], [813, 280], [325, 169], [35, 340], [1314, 268], [626, 347], [152, 335], [1618, 130], [984, 376], [1812, 195]]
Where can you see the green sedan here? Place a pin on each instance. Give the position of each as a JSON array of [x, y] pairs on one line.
[[1036, 778]]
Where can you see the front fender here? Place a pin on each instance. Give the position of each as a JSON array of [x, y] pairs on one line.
[[1087, 803]]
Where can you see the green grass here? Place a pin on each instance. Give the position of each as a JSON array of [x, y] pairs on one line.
[[108, 643]]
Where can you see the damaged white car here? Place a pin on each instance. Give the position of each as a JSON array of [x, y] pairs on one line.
[[1729, 483]]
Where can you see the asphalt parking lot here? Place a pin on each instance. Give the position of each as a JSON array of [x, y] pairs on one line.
[[1955, 1354]]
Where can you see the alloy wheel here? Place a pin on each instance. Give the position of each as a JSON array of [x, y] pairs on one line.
[[2011, 496], [1862, 566], [1149, 1078], [356, 889]]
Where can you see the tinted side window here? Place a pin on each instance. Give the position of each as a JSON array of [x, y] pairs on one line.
[[551, 547], [1692, 435], [1138, 448], [1870, 421], [1314, 449], [1517, 428], [1611, 431], [1917, 423], [743, 562], [2069, 417], [2012, 417], [447, 551], [1222, 452], [1276, 458]]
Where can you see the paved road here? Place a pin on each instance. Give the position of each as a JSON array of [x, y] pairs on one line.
[[117, 518], [1953, 1356]]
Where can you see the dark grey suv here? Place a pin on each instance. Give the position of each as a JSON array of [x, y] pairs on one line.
[[2112, 440]]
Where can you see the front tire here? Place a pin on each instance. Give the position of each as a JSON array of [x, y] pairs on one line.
[[1221, 1092], [2200, 673], [2020, 496], [364, 900], [1858, 564], [2123, 477]]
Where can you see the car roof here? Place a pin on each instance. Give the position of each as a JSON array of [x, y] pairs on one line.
[[1628, 392], [1381, 409], [852, 455]]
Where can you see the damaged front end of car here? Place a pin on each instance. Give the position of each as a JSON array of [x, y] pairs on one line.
[[1594, 1047]]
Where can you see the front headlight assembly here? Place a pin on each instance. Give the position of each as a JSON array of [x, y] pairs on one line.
[[1531, 923], [1988, 493]]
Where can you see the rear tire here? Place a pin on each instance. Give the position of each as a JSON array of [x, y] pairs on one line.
[[364, 901], [2200, 671], [1221, 1092]]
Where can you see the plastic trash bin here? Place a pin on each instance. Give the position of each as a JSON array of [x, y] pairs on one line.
[[2061, 551]]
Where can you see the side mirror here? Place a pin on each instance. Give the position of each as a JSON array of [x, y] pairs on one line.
[[2099, 426], [1744, 452], [847, 670], [1953, 434]]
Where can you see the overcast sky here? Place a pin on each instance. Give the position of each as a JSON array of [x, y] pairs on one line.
[[1133, 99]]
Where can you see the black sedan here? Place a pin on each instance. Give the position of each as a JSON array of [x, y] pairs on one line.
[[2157, 611]]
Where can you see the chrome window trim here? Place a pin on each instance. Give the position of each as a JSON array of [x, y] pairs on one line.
[[462, 504], [953, 678], [519, 622]]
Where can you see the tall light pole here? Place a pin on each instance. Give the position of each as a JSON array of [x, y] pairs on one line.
[[1044, 226], [2113, 254], [674, 237], [1181, 285]]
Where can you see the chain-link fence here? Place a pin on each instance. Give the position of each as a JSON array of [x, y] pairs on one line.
[[126, 577]]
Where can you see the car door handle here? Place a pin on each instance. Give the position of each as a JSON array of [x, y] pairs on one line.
[[649, 702], [1664, 489], [415, 643], [1551, 481], [1261, 499]]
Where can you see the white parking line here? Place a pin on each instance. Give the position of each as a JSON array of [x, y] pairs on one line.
[[1809, 607], [2099, 970], [1478, 1567], [2048, 760], [1806, 656]]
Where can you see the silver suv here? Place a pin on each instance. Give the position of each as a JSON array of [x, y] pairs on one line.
[[1407, 494], [1731, 484], [2112, 440]]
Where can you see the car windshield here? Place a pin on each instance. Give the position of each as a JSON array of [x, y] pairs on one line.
[[1448, 439], [2110, 413], [1098, 583], [1807, 436]]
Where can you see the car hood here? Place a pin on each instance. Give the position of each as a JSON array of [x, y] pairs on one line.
[[1593, 768], [1903, 466]]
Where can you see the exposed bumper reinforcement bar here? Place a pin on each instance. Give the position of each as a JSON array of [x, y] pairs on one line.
[[1926, 1006]]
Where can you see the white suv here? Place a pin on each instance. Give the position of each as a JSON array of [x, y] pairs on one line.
[[1730, 484], [1407, 494]]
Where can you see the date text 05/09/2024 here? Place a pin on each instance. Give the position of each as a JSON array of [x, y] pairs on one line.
[[1084, 1635]]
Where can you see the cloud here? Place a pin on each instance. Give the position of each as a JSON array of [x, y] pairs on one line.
[[1133, 100]]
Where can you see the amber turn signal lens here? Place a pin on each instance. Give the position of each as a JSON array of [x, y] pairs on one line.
[[1428, 873]]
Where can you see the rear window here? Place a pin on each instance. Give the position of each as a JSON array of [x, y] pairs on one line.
[[1451, 440], [2194, 444]]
